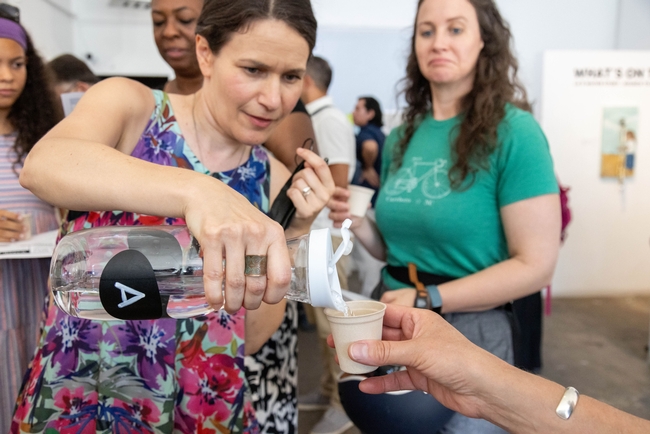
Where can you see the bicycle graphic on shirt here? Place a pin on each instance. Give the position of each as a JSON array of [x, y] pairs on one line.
[[433, 177]]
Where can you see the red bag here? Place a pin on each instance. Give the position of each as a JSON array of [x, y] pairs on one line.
[[566, 211]]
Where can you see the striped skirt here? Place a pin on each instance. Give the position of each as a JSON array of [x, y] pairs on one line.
[[24, 288]]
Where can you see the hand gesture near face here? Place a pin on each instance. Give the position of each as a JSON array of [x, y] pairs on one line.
[[310, 190]]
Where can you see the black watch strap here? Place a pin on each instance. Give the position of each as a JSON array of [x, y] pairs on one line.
[[425, 297], [422, 298]]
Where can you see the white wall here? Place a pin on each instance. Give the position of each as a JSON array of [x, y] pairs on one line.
[[553, 25], [634, 31], [120, 40], [607, 247], [388, 14], [49, 23]]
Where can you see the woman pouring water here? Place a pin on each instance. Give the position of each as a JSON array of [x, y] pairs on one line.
[[128, 148]]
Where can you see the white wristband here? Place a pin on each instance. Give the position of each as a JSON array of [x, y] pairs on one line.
[[568, 403]]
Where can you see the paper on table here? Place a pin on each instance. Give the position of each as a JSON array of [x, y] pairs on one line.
[[69, 101], [38, 246]]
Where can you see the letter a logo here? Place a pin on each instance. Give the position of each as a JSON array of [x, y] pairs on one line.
[[125, 271], [126, 301]]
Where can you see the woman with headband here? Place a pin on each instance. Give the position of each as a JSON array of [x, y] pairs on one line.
[[27, 112]]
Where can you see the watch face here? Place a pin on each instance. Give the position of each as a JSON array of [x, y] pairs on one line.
[[420, 303]]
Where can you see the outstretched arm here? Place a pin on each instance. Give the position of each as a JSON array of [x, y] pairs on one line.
[[83, 163], [468, 379]]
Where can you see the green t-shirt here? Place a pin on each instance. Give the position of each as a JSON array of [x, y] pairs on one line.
[[449, 232]]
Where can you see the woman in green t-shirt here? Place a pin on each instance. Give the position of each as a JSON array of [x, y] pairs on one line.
[[468, 215]]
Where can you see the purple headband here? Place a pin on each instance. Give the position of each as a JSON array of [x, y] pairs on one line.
[[12, 30]]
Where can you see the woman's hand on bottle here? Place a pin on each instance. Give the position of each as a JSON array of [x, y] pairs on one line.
[[402, 297], [310, 190], [11, 227], [228, 228], [340, 209]]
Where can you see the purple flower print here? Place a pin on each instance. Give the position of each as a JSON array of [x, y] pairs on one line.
[[67, 338], [157, 145], [152, 342]]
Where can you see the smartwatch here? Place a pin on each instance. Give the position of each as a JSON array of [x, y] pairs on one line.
[[434, 298], [422, 300]]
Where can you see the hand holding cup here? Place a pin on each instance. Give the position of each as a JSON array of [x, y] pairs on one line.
[[14, 227]]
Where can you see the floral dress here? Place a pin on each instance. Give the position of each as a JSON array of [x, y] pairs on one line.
[[154, 376]]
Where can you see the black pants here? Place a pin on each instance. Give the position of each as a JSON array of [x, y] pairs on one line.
[[528, 315]]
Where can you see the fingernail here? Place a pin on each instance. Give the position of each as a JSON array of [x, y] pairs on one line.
[[21, 236], [359, 351]]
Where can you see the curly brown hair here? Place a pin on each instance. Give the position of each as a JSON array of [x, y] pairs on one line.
[[483, 108], [35, 111]]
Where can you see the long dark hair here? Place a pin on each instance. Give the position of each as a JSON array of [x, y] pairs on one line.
[[35, 111], [221, 18], [483, 108]]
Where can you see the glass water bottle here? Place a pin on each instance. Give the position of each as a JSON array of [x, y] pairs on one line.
[[150, 272]]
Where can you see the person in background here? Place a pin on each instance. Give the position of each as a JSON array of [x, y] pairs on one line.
[[70, 74], [477, 384], [179, 159], [468, 213], [27, 111], [174, 25], [335, 138], [368, 117], [295, 131]]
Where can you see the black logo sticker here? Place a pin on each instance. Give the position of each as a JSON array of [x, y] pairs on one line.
[[128, 289]]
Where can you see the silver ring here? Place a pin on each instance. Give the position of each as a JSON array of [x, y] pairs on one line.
[[306, 191], [255, 265]]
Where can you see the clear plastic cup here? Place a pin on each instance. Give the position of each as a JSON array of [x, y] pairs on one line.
[[359, 200], [27, 226], [366, 322]]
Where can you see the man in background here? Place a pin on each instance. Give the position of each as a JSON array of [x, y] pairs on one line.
[[336, 142], [71, 78], [70, 74]]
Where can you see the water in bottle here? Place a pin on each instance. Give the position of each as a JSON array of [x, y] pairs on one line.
[[132, 273]]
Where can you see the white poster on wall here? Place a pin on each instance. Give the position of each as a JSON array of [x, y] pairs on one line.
[[596, 115]]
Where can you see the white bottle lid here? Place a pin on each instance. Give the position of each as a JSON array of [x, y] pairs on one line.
[[324, 284]]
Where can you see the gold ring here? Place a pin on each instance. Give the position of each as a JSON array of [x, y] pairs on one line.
[[306, 191], [255, 265]]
